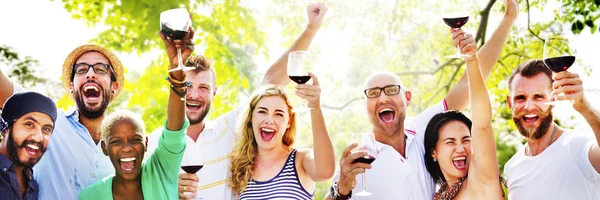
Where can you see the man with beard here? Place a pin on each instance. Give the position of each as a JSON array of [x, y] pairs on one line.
[[554, 163], [93, 76], [26, 125], [215, 139], [399, 171]]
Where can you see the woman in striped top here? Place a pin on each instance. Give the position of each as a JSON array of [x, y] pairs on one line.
[[264, 163]]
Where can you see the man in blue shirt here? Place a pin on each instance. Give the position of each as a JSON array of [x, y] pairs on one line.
[[26, 125], [93, 76]]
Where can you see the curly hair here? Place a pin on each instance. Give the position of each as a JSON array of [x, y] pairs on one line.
[[245, 151]]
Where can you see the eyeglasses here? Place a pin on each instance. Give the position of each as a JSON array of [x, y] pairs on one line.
[[389, 90], [99, 68]]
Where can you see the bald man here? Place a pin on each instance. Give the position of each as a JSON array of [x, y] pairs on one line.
[[399, 170]]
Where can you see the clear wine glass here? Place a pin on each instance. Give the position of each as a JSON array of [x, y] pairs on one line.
[[193, 161], [455, 14], [175, 24], [366, 142], [297, 70], [558, 57]]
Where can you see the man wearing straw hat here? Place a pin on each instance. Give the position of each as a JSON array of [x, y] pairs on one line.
[[26, 125], [93, 76]]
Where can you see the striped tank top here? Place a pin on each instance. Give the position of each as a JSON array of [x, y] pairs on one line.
[[285, 185]]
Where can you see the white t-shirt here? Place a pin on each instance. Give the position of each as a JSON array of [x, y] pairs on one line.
[[215, 143], [394, 177], [561, 171]]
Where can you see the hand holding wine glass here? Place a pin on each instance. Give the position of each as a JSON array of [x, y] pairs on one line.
[[456, 15], [367, 144], [297, 69], [465, 44], [192, 163], [310, 92], [177, 34], [558, 57]]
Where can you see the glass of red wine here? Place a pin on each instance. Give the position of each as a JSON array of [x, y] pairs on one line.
[[175, 24], [558, 57], [457, 17], [297, 70], [366, 143], [193, 161]]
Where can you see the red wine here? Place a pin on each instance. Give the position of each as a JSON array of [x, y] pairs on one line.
[[456, 22], [173, 34], [367, 160], [559, 64], [192, 169], [300, 79]]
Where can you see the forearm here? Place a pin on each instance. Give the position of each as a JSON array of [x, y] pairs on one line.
[[6, 88], [323, 148], [592, 116], [277, 73], [490, 52], [478, 95], [175, 108]]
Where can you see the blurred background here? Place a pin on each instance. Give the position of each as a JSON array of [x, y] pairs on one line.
[[244, 37]]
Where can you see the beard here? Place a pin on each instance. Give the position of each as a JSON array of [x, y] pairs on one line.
[[92, 113], [202, 114], [535, 132], [13, 151], [387, 130]]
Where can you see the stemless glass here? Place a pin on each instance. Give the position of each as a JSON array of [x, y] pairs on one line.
[[175, 24]]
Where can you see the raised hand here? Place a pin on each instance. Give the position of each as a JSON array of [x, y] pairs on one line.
[[349, 169], [465, 42], [571, 85], [315, 13], [186, 45], [512, 9], [311, 93]]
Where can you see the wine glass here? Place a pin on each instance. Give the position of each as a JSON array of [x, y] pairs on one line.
[[175, 24], [366, 142], [297, 70], [193, 161], [455, 15], [558, 57]]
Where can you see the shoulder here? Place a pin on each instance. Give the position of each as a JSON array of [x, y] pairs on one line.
[[97, 190]]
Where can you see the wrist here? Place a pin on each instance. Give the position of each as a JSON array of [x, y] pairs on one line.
[[312, 28]]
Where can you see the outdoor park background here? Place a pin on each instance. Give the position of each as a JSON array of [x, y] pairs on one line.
[[243, 37]]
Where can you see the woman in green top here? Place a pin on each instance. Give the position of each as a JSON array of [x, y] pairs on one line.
[[124, 142]]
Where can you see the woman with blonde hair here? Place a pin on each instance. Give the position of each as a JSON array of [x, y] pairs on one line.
[[264, 163]]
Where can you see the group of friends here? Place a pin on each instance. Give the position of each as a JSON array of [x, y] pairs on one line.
[[85, 153]]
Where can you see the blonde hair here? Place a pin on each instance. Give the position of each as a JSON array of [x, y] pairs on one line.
[[201, 64], [244, 153], [122, 115]]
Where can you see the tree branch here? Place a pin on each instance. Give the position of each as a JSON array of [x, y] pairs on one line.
[[343, 106], [485, 15], [529, 23]]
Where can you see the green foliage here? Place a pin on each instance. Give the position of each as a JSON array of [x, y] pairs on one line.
[[22, 69], [581, 14]]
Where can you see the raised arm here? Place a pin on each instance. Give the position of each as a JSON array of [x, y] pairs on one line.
[[488, 56], [570, 84], [320, 164], [6, 88], [484, 161], [277, 73], [176, 106]]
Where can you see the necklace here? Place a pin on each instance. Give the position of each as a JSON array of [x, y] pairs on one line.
[[551, 138]]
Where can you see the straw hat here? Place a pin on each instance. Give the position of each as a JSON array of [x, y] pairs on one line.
[[77, 52]]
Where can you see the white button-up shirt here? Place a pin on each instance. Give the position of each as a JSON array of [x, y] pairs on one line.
[[215, 143]]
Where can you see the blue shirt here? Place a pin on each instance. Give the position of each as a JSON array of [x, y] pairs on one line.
[[9, 184], [72, 160]]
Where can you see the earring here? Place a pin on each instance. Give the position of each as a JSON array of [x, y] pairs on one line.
[[434, 159], [71, 91], [113, 91]]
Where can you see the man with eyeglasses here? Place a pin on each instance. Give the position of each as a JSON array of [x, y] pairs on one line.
[[93, 76], [399, 170]]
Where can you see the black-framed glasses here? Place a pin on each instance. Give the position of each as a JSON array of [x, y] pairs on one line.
[[99, 68], [389, 90]]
